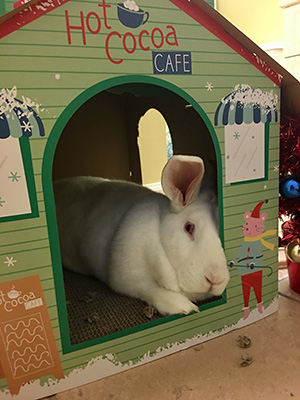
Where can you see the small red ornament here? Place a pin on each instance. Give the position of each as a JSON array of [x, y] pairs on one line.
[[294, 275]]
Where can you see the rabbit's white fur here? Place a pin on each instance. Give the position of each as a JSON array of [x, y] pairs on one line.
[[135, 240]]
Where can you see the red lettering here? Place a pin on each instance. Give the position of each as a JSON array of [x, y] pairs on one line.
[[158, 46], [105, 6], [125, 45], [92, 22], [143, 32], [172, 33], [81, 27], [90, 14], [107, 47]]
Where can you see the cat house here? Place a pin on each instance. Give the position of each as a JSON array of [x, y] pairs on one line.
[[76, 79]]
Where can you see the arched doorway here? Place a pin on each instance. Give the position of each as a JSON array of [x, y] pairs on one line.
[[97, 134]]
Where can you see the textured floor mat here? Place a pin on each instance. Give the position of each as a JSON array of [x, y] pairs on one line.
[[94, 310]]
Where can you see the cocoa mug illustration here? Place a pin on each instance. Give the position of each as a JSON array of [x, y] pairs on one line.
[[131, 15], [13, 293]]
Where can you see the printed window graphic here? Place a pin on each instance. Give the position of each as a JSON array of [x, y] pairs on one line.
[[14, 195], [244, 152], [18, 122], [246, 114]]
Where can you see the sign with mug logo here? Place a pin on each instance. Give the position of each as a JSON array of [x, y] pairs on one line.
[[27, 345]]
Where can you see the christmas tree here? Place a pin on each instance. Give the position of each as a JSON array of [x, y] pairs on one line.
[[289, 201]]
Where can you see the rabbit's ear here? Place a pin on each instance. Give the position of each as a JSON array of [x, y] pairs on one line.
[[181, 180]]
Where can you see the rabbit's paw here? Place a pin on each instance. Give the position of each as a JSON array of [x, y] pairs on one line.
[[168, 303]]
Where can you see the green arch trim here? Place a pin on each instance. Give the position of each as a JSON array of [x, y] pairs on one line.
[[50, 204]]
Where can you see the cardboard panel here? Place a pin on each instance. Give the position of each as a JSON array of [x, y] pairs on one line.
[[169, 62], [94, 141], [101, 137]]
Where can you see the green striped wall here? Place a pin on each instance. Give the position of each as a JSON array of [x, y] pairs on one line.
[[30, 60]]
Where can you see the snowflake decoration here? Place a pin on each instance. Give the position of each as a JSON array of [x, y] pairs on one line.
[[1, 202], [14, 176], [244, 94], [276, 168], [26, 126], [236, 136], [10, 261], [209, 86]]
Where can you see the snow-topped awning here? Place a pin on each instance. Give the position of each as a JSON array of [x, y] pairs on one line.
[[17, 118], [247, 105]]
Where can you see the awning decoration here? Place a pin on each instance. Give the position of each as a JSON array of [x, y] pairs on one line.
[[18, 118], [247, 105]]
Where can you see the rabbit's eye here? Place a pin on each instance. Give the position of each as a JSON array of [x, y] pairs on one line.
[[189, 227]]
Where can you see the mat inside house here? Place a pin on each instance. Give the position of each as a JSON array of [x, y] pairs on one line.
[[95, 311]]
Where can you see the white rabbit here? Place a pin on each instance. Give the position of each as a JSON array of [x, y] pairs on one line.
[[162, 249]]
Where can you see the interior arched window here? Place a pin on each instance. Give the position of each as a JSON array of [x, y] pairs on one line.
[[155, 147]]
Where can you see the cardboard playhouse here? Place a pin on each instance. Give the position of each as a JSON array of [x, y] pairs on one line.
[[76, 78]]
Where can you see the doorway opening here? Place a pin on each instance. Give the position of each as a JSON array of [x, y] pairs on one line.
[[101, 134]]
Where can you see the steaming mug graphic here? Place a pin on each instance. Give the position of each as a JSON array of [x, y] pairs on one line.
[[132, 18]]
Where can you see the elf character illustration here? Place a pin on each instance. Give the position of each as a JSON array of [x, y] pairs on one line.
[[249, 258]]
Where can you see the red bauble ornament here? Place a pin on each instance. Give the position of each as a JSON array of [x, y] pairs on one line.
[[294, 275]]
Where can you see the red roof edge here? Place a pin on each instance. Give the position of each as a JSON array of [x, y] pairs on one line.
[[205, 19], [25, 14], [197, 9]]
